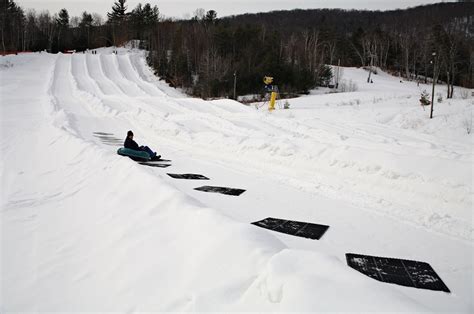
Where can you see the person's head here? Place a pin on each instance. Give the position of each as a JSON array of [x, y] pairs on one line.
[[130, 134]]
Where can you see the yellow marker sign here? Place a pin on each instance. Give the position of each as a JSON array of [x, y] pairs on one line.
[[268, 80]]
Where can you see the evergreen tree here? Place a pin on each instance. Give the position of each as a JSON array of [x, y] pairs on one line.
[[85, 26], [62, 22], [143, 19], [211, 16], [118, 19], [86, 20], [12, 22], [324, 75], [137, 20], [150, 15], [118, 14], [63, 19]]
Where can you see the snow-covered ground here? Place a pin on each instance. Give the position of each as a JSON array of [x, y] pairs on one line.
[[83, 229]]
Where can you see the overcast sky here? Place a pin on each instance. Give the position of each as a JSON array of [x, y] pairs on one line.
[[184, 8]]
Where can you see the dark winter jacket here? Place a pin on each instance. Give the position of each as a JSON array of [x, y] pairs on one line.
[[129, 143]]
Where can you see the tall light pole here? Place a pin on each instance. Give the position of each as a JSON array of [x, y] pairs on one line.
[[435, 78]]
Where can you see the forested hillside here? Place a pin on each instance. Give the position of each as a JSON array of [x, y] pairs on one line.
[[203, 54]]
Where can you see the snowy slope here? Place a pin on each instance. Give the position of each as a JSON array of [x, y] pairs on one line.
[[86, 230]]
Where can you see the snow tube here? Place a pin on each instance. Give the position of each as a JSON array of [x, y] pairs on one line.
[[134, 154]]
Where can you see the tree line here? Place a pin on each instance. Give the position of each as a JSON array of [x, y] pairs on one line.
[[205, 54], [31, 31]]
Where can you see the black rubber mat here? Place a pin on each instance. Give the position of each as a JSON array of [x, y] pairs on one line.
[[160, 160], [188, 176], [295, 228], [149, 164], [103, 133], [112, 142], [107, 137], [221, 190], [397, 271]]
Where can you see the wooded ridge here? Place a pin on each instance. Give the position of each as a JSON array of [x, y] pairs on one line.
[[203, 55]]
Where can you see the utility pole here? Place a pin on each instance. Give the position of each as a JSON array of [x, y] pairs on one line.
[[235, 85], [435, 78]]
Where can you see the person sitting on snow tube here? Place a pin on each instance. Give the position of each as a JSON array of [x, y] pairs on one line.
[[131, 144]]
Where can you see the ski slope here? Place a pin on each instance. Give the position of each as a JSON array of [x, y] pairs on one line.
[[83, 229]]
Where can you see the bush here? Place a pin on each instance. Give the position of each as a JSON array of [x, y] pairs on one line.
[[325, 75], [424, 101]]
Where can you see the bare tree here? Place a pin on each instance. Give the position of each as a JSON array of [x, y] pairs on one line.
[[97, 20]]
